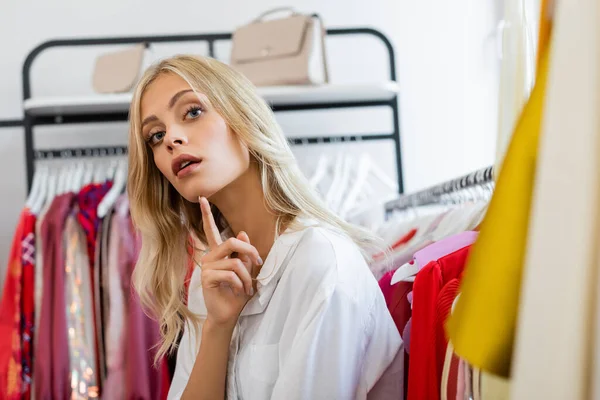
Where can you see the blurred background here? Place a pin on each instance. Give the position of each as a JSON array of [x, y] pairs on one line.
[[448, 65], [416, 154]]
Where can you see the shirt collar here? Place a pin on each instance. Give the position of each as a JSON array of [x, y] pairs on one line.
[[274, 267]]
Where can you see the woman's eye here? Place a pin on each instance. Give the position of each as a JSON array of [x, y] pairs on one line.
[[156, 138], [193, 113]]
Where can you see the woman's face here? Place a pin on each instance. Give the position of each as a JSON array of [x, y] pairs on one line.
[[192, 145]]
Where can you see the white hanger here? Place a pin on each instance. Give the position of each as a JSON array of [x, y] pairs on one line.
[[35, 189], [320, 171], [52, 184], [405, 271], [70, 183], [362, 172], [378, 173], [117, 188], [61, 186], [100, 172], [112, 168], [88, 176], [345, 182], [335, 183], [77, 178], [43, 190], [51, 189]]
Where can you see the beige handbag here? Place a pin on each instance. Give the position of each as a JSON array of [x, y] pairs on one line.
[[119, 71], [284, 51]]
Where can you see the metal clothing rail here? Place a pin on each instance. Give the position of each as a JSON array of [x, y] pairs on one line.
[[108, 151], [11, 123], [80, 152], [434, 193], [30, 121]]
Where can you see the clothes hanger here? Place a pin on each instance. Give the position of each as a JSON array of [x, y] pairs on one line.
[[100, 172], [345, 182], [42, 191], [380, 175], [320, 171], [35, 189], [88, 176], [362, 173], [66, 175], [77, 179], [117, 188], [52, 187], [70, 183], [112, 168], [335, 183], [433, 252]]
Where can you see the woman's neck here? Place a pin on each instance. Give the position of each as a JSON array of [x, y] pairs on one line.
[[242, 203]]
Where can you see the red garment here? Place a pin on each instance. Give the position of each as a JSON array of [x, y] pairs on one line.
[[399, 243], [424, 372], [27, 302], [404, 239], [443, 310], [88, 199], [443, 307], [143, 381], [52, 366], [401, 311], [10, 318], [386, 287]]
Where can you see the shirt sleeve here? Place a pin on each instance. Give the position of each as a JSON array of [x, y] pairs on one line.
[[326, 358], [185, 362]]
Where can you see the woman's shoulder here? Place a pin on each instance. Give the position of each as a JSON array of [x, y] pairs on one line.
[[327, 258]]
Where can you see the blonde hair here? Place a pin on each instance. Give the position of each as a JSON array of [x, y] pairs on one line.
[[165, 219]]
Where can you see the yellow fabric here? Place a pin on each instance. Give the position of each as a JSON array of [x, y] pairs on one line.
[[482, 325]]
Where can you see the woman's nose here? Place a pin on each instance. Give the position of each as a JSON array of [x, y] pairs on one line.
[[176, 138]]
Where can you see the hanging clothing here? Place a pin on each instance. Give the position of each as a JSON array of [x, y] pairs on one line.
[[10, 341], [51, 363], [560, 294], [80, 321], [142, 379], [482, 326], [39, 269], [318, 326], [430, 303], [88, 199], [115, 333], [27, 302]]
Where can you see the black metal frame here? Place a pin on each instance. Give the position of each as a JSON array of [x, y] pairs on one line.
[[30, 121], [433, 194], [9, 123]]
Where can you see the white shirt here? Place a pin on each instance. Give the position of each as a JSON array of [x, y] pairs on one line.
[[318, 327]]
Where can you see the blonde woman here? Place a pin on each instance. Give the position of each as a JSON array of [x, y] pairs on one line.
[[281, 303]]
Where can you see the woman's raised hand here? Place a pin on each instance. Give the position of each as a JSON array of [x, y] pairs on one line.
[[226, 280]]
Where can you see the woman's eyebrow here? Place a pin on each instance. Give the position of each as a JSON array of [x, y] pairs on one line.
[[176, 97], [172, 102]]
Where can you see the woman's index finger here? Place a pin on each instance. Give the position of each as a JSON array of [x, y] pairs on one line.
[[210, 227]]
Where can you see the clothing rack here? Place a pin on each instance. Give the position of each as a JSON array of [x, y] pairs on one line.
[[433, 194], [80, 152], [111, 151], [103, 108]]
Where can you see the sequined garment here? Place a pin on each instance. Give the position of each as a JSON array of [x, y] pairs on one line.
[[27, 303], [79, 311]]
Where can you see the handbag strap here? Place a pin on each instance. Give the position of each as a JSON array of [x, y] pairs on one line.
[[262, 16], [323, 35]]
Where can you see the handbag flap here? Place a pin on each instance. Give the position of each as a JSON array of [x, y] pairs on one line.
[[270, 39]]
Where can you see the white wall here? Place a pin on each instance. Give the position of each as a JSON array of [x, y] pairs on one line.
[[446, 67]]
